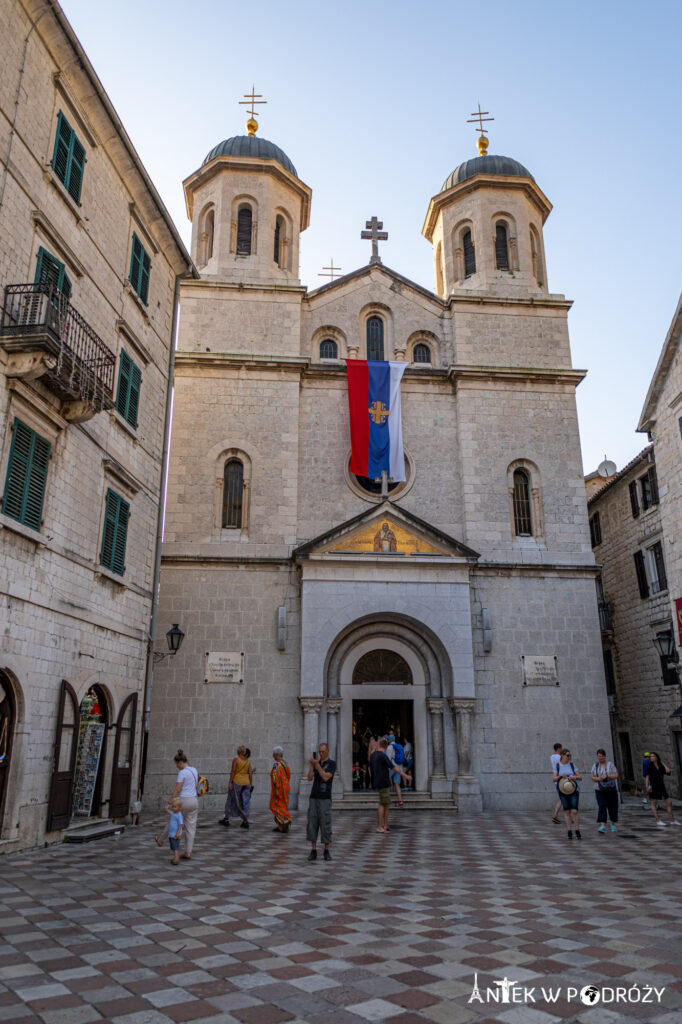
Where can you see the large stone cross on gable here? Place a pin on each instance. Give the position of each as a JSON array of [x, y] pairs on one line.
[[375, 233]]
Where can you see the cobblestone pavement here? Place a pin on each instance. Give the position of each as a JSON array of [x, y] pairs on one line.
[[394, 929]]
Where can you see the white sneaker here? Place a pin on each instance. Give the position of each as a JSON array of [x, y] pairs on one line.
[[661, 824], [675, 822]]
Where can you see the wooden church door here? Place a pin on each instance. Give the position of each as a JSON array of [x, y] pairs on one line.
[[64, 759], [124, 748]]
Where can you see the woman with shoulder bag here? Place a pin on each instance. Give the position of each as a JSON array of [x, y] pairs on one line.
[[655, 784], [568, 777], [605, 778], [186, 789]]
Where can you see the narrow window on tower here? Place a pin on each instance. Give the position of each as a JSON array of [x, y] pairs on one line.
[[233, 494], [375, 339], [469, 254], [279, 233], [422, 354], [501, 247], [523, 526], [244, 230], [329, 349], [209, 229]]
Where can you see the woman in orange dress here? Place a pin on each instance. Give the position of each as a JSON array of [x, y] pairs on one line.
[[280, 776]]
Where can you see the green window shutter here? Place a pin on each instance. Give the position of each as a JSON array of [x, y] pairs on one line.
[[128, 392], [26, 476], [134, 402], [51, 271], [62, 148], [115, 533], [140, 269], [76, 168]]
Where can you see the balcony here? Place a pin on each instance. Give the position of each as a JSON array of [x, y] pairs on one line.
[[47, 339], [606, 616]]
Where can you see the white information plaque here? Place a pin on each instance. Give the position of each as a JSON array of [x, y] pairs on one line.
[[224, 667], [539, 670]]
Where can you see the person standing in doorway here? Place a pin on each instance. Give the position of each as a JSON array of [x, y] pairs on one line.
[[655, 778], [381, 769], [605, 778], [321, 774], [554, 761], [186, 789], [395, 752]]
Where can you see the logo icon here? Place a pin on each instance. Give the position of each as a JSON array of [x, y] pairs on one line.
[[589, 995], [378, 412]]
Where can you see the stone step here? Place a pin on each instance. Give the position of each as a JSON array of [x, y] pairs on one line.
[[88, 829], [411, 802]]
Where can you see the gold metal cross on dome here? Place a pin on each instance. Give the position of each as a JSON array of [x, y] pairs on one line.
[[252, 99], [480, 118]]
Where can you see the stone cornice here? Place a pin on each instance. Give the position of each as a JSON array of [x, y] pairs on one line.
[[268, 287], [537, 374], [487, 181], [477, 299], [241, 360], [483, 568], [254, 165]]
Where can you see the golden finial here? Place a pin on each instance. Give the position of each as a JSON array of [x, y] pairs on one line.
[[252, 99], [481, 141]]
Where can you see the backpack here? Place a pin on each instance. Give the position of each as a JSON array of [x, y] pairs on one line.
[[399, 753], [202, 783]]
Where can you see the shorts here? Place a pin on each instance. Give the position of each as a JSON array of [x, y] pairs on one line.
[[174, 843], [569, 803], [384, 797], [395, 777]]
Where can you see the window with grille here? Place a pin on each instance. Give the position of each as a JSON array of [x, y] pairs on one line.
[[68, 158], [523, 525], [115, 533], [244, 226], [659, 580], [329, 349], [29, 456], [233, 494], [128, 390], [469, 254], [501, 247], [50, 271], [140, 269], [382, 667], [422, 353], [375, 339], [595, 530]]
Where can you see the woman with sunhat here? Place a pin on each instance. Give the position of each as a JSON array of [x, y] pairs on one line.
[[567, 776]]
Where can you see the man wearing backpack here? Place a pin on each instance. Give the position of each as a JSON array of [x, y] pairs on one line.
[[396, 755]]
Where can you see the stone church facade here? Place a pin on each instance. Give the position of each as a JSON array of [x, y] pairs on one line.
[[473, 629]]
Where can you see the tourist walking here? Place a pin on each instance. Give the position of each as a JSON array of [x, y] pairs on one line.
[[381, 769], [554, 761], [175, 822], [605, 778], [321, 774], [186, 790], [395, 752], [280, 787], [409, 757], [567, 776], [645, 765], [239, 788], [655, 782]]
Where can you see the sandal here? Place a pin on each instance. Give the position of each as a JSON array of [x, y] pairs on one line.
[[158, 841], [555, 820], [186, 856], [381, 830]]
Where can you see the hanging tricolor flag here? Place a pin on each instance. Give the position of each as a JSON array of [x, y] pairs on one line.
[[376, 431]]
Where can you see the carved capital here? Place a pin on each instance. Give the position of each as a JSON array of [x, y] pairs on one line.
[[400, 353], [462, 705], [353, 351], [435, 705], [333, 705], [310, 705]]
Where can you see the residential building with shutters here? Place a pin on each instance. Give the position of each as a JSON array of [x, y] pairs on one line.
[[633, 542], [89, 262]]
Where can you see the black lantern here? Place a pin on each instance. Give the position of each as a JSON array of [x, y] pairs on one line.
[[665, 645], [175, 636]]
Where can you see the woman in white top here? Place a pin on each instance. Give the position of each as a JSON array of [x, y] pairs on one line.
[[605, 778], [186, 789]]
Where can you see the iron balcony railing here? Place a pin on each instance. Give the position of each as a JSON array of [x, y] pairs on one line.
[[82, 365], [606, 616]]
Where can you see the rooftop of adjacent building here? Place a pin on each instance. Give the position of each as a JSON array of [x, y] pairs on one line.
[[646, 454]]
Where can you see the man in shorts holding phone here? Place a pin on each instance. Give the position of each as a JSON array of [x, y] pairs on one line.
[[321, 774]]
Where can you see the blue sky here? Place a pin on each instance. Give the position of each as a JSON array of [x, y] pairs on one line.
[[370, 101]]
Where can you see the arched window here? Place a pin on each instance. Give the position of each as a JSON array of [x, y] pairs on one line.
[[279, 229], [382, 667], [439, 269], [233, 494], [209, 228], [469, 254], [244, 226], [422, 353], [535, 262], [501, 247], [375, 338], [329, 349], [523, 526]]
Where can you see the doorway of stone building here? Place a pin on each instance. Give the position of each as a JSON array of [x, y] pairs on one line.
[[7, 719], [378, 718], [91, 755]]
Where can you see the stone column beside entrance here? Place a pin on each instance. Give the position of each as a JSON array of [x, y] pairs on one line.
[[333, 708], [466, 789], [311, 707], [438, 782]]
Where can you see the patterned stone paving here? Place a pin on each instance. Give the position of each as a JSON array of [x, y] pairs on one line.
[[393, 930]]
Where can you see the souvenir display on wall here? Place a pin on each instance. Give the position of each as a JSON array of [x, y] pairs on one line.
[[90, 739]]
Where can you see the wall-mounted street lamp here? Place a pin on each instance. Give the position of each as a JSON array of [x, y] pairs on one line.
[[174, 638]]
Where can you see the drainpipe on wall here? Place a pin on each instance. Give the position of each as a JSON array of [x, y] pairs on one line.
[[149, 673]]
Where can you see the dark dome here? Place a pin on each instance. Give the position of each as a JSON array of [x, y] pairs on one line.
[[503, 165], [251, 145]]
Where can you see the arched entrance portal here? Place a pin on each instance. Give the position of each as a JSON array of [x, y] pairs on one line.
[[8, 714], [384, 668]]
